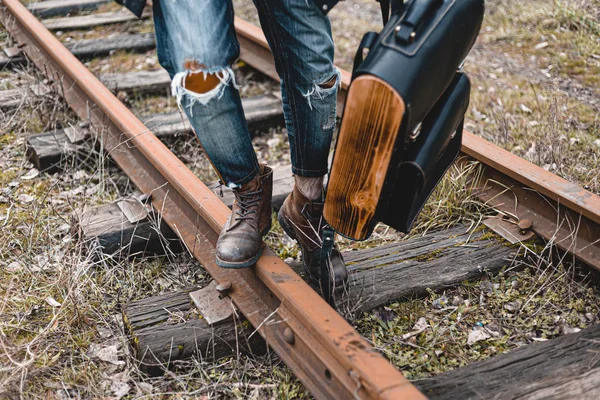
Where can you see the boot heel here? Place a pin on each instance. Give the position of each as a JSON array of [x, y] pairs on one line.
[[284, 225]]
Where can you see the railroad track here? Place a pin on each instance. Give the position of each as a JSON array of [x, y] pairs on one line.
[[323, 350]]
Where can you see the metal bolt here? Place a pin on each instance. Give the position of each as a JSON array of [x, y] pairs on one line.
[[525, 225], [223, 289], [288, 335]]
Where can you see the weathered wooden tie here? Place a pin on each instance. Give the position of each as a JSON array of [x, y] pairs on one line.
[[54, 8], [92, 20], [127, 228], [567, 367], [13, 98], [51, 151], [89, 48], [377, 277]]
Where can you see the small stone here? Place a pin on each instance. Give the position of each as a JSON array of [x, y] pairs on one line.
[[457, 301], [122, 95], [541, 45], [513, 306], [120, 389], [486, 287], [145, 387], [567, 329], [493, 329], [26, 198], [53, 303], [590, 317], [80, 175], [525, 109], [440, 302]]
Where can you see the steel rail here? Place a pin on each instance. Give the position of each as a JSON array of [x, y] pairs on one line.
[[561, 211], [328, 356]]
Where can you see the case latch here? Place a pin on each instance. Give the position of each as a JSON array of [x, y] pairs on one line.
[[416, 13]]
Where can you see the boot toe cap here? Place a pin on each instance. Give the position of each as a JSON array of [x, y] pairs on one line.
[[241, 251]]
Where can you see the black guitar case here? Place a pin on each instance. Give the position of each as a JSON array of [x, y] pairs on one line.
[[402, 125]]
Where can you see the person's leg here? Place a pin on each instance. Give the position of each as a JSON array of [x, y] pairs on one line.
[[300, 37], [196, 44]]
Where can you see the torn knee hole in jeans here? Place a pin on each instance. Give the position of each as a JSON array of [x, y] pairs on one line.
[[201, 84], [321, 90]]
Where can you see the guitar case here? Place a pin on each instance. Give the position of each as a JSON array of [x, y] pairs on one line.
[[402, 123]]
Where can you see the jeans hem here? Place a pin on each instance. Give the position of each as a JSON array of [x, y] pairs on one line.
[[309, 173], [240, 182]]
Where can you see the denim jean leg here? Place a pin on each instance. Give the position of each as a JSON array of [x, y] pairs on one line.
[[300, 38], [196, 40]]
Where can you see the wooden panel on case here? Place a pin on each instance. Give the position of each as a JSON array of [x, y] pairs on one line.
[[368, 132]]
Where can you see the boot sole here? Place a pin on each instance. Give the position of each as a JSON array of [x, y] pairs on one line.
[[240, 264]]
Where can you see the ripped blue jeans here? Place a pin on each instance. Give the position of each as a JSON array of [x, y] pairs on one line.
[[198, 36]]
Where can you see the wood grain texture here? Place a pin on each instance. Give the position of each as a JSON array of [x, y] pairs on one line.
[[89, 48], [567, 367], [53, 8], [107, 227], [368, 132], [377, 277], [89, 21]]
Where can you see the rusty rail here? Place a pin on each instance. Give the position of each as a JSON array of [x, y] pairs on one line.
[[330, 358], [560, 210]]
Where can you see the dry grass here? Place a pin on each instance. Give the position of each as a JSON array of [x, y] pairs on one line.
[[60, 330]]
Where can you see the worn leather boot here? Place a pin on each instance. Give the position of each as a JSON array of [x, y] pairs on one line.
[[302, 220], [240, 240]]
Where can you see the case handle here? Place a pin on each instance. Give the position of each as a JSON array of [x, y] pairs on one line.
[[417, 10], [367, 41]]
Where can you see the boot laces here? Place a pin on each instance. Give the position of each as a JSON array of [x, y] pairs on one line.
[[247, 203]]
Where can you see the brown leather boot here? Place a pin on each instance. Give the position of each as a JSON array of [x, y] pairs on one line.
[[302, 220], [240, 240]]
